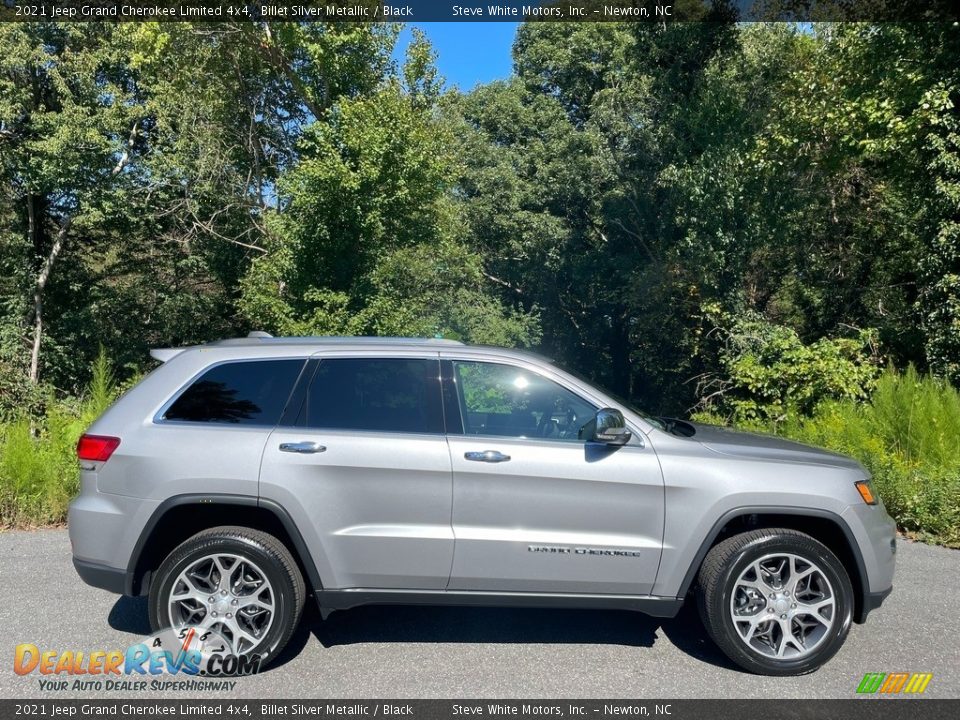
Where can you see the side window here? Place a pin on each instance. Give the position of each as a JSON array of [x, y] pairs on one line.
[[246, 393], [511, 402], [379, 394]]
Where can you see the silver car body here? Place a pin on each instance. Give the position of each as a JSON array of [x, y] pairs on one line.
[[389, 516]]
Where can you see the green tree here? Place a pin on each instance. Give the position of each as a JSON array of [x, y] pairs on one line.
[[139, 164], [363, 241], [570, 193], [69, 127]]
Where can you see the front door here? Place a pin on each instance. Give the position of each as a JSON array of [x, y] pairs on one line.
[[535, 507], [366, 474]]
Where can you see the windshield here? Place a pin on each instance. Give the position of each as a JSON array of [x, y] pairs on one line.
[[652, 419]]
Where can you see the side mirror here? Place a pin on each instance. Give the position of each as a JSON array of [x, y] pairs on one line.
[[608, 427]]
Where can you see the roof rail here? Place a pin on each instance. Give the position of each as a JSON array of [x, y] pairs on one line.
[[258, 338]]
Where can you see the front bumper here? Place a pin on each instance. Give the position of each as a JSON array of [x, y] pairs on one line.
[[871, 602], [875, 534]]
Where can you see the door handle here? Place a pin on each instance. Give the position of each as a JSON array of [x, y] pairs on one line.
[[490, 456], [306, 447]]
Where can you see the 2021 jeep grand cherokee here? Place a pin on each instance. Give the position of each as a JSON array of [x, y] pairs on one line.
[[243, 475]]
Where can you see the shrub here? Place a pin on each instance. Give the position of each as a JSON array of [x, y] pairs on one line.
[[767, 373], [38, 465]]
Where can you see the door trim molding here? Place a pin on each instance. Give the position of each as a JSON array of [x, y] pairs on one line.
[[343, 599]]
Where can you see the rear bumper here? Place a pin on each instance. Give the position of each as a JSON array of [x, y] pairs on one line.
[[104, 530], [116, 580]]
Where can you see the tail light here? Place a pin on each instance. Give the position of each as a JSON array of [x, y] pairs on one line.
[[97, 448]]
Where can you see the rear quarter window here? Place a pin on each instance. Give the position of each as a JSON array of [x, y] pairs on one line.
[[251, 392]]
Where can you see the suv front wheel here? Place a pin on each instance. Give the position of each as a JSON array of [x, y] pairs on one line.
[[241, 583], [776, 601]]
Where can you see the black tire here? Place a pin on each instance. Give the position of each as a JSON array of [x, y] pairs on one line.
[[266, 552], [716, 584]]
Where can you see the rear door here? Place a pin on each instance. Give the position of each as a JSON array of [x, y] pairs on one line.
[[536, 508], [365, 472]]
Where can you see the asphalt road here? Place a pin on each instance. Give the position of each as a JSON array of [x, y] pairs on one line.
[[416, 652]]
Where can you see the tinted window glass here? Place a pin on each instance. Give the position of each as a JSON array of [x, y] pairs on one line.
[[396, 395], [511, 402], [247, 393]]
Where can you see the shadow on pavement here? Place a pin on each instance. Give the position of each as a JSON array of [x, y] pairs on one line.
[[129, 614], [384, 623], [428, 624], [424, 624], [688, 635]]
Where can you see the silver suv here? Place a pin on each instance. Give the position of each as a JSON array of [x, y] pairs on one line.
[[243, 475]]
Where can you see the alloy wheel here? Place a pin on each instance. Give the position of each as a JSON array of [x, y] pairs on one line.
[[783, 606], [226, 593]]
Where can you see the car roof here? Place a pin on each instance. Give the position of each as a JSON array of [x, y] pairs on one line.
[[262, 340]]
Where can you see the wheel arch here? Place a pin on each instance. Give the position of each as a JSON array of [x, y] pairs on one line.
[[823, 525], [180, 517]]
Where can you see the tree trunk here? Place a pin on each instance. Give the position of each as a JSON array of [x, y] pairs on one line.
[[38, 290]]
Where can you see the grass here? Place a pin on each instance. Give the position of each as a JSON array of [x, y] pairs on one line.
[[39, 473], [908, 436]]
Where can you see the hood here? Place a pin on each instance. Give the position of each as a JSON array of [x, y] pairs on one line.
[[736, 443]]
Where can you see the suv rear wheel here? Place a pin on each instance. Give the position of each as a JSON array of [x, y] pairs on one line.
[[242, 583], [777, 602]]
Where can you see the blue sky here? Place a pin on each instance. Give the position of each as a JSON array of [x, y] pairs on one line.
[[467, 52]]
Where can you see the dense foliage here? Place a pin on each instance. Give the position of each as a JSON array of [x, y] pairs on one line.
[[749, 220], [766, 373]]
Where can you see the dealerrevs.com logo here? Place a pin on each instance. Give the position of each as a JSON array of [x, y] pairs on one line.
[[190, 653], [894, 683]]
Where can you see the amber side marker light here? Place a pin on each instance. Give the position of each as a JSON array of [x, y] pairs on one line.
[[863, 487]]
